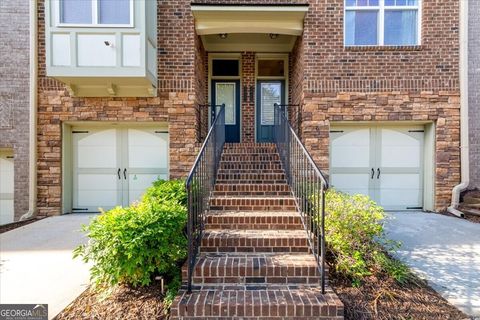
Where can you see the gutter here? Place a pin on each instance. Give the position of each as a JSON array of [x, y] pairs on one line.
[[464, 147], [32, 163]]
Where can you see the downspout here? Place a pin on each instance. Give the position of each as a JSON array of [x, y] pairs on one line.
[[464, 148], [32, 163]]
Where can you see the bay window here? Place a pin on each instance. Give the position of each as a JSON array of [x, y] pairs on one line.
[[118, 13], [382, 22]]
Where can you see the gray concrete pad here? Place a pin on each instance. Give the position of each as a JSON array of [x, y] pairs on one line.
[[37, 266], [443, 250]]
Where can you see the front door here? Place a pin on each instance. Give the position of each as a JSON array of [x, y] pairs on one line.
[[228, 92], [113, 166], [268, 93]]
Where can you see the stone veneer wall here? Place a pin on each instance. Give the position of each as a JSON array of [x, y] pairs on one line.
[[14, 94], [474, 92], [180, 82], [440, 107]]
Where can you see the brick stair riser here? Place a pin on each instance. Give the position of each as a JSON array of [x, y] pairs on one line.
[[252, 189], [267, 177], [250, 157], [251, 172], [253, 223], [250, 151], [253, 207], [256, 245], [259, 304], [250, 166]]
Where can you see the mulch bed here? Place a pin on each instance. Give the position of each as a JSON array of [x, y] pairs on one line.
[[124, 302], [382, 298], [14, 225], [472, 218]]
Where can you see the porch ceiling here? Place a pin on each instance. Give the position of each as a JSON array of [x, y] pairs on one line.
[[256, 42], [216, 19]]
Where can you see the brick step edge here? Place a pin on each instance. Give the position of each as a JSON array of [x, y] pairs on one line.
[[260, 304]]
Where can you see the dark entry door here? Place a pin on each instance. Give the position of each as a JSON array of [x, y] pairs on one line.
[[228, 92], [269, 92]]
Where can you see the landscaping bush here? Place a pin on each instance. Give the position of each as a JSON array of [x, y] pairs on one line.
[[132, 245], [355, 237]]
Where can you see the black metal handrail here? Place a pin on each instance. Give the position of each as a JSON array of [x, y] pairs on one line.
[[199, 184], [308, 185]]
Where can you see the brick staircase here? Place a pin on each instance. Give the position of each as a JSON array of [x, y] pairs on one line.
[[254, 261]]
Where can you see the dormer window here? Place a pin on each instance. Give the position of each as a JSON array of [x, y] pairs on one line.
[[95, 13]]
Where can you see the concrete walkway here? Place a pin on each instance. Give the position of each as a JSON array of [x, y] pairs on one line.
[[36, 264], [443, 250]]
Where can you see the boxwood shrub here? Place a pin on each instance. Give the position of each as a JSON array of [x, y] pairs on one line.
[[132, 245]]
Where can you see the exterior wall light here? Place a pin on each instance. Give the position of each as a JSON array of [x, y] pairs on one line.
[[223, 35], [273, 36]]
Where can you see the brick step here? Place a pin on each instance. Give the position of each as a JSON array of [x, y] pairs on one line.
[[242, 157], [274, 165], [471, 200], [274, 189], [471, 205], [258, 302], [254, 241], [249, 145], [250, 150], [252, 176], [251, 220], [250, 203], [251, 171], [261, 268], [469, 210], [250, 181]]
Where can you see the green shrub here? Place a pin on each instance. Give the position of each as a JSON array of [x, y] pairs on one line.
[[131, 245], [355, 237]]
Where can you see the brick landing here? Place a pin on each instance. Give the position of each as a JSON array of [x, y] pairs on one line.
[[254, 260]]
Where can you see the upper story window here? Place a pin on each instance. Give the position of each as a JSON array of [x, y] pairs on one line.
[[382, 22], [101, 13]]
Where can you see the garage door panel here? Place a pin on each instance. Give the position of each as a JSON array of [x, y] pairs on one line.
[[114, 166], [6, 211], [351, 183], [348, 142], [96, 149], [6, 187], [147, 149], [138, 183], [394, 153], [97, 190]]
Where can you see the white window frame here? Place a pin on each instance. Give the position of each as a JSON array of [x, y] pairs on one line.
[[381, 8], [95, 18]]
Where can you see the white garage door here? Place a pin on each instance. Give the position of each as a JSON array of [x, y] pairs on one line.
[[113, 167], [385, 163], [6, 187]]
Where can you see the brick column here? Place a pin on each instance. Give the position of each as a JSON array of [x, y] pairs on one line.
[[248, 97]]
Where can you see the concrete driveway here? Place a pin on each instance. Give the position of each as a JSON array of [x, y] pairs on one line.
[[36, 264], [443, 250]]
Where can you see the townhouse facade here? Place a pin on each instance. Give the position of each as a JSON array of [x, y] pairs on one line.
[[125, 94], [14, 110]]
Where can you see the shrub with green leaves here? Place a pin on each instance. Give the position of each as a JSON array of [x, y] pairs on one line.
[[355, 237], [131, 245]]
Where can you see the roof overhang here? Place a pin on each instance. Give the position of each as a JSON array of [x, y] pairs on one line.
[[277, 19]]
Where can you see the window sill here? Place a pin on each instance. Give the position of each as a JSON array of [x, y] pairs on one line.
[[384, 48]]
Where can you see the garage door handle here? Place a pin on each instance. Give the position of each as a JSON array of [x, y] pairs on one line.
[[125, 173], [373, 173], [378, 173], [118, 173]]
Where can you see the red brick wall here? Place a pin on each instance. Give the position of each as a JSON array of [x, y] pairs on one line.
[[248, 104]]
